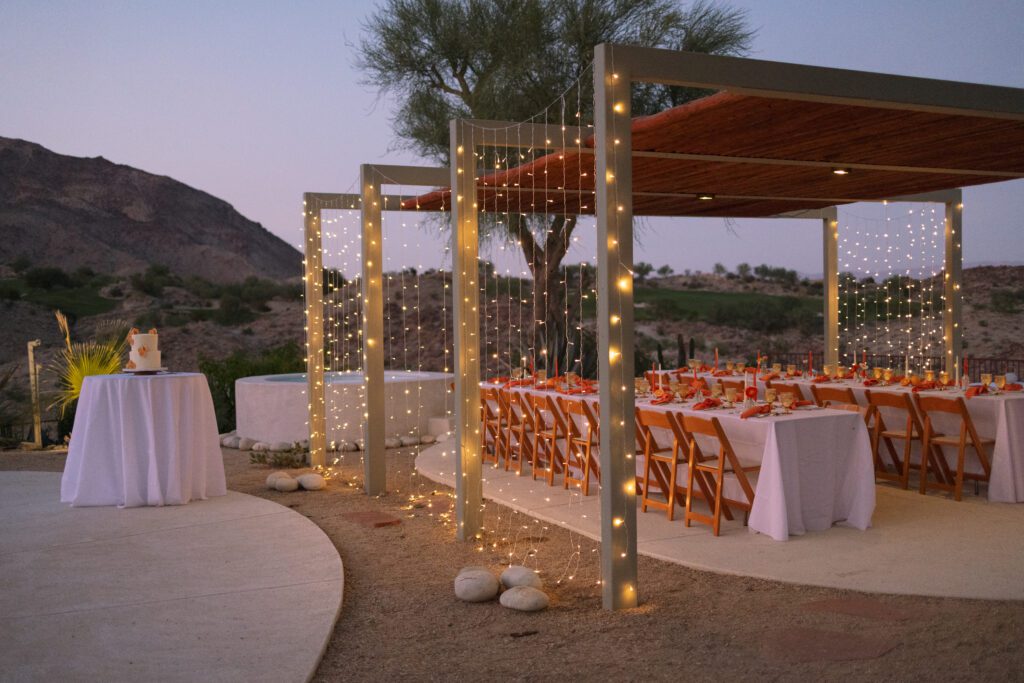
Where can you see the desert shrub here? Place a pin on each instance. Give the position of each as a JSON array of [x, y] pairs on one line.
[[21, 264], [153, 281], [1006, 300], [201, 288], [47, 278], [9, 291], [222, 373], [233, 311]]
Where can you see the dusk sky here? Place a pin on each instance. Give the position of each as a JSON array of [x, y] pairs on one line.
[[257, 102]]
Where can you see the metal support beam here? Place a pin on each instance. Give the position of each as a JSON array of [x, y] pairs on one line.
[[615, 330], [953, 334], [830, 282], [466, 309], [372, 290], [314, 279]]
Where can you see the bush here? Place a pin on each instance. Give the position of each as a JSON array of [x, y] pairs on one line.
[[9, 291], [47, 278], [21, 264], [1006, 301], [153, 281], [232, 311], [222, 374]]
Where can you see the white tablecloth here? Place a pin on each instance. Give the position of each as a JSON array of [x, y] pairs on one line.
[[816, 467], [999, 417], [143, 440]]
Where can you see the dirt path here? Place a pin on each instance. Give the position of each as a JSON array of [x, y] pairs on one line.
[[401, 621]]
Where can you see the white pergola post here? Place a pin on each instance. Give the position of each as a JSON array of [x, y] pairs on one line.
[[953, 333], [614, 209], [469, 492], [372, 290], [314, 280], [830, 285]]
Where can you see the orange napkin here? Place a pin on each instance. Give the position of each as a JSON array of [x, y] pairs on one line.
[[821, 379], [498, 380], [769, 377], [723, 373], [801, 404], [756, 410], [870, 382], [976, 391], [795, 374], [924, 386], [1013, 387], [707, 403], [577, 390], [662, 397], [519, 383]]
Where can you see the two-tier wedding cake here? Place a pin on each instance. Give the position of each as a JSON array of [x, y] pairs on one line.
[[145, 352]]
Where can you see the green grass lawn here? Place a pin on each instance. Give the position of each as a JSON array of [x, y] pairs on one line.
[[79, 301], [740, 309]]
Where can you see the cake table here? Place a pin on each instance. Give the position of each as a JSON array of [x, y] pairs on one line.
[[143, 440]]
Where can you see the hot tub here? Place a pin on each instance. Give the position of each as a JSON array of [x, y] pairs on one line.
[[274, 408]]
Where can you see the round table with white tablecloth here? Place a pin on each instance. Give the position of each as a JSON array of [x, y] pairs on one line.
[[143, 440]]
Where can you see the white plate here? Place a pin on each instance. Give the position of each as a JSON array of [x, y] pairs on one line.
[[134, 371]]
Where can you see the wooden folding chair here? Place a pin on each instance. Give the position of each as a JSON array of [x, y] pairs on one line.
[[827, 397], [934, 441], [713, 469], [490, 423], [663, 463], [548, 430], [881, 432], [583, 434], [736, 384], [784, 388], [516, 443]]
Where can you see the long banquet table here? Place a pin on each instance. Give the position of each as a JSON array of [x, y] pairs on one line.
[[999, 417], [816, 466]]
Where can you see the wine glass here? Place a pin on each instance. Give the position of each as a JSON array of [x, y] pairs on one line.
[[840, 371], [791, 369], [769, 396], [1000, 382], [929, 375], [944, 378], [788, 399], [740, 367], [716, 390], [777, 368], [826, 370], [730, 394], [986, 379], [877, 373], [730, 365]]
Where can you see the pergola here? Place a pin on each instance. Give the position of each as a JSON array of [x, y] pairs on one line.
[[767, 146]]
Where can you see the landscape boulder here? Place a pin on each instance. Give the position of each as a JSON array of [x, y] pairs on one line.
[[274, 476], [312, 481], [524, 599], [476, 584], [286, 484], [518, 575]]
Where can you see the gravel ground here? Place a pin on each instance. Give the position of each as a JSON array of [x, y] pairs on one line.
[[401, 621]]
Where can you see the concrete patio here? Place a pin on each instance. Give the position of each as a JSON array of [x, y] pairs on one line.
[[918, 545], [234, 588]]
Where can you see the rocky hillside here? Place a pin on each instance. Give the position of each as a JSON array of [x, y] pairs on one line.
[[58, 210]]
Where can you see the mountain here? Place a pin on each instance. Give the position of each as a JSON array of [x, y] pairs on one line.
[[72, 212]]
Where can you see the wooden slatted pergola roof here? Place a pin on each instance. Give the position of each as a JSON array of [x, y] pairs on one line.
[[760, 156]]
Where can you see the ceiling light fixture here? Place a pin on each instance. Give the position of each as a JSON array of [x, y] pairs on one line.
[[705, 196], [841, 171]]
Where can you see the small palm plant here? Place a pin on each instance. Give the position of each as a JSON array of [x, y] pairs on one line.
[[78, 360]]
